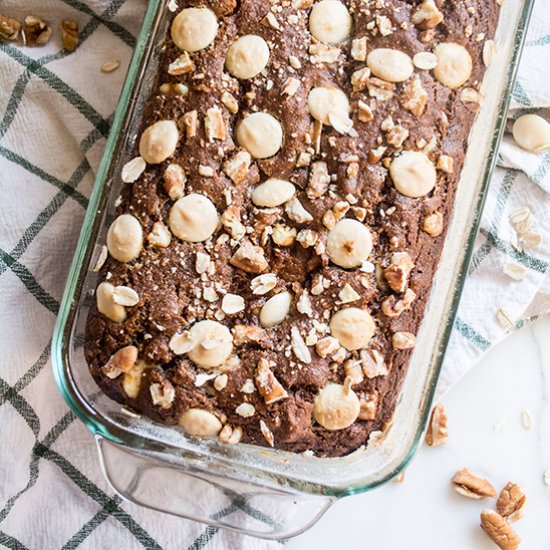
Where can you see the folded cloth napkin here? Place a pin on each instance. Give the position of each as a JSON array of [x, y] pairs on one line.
[[55, 110]]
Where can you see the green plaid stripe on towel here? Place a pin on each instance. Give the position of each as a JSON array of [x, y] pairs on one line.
[[55, 111]]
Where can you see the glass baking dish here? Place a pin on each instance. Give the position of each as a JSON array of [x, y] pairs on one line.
[[255, 490]]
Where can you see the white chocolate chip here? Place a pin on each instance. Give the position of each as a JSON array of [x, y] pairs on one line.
[[330, 21], [125, 296], [107, 305], [200, 423], [336, 407], [232, 303], [454, 64], [325, 101], [353, 327], [214, 344], [349, 242], [261, 134], [132, 170], [275, 310], [193, 218], [532, 133], [125, 238], [247, 56], [390, 65], [273, 192], [159, 141], [194, 29], [413, 174], [426, 61]]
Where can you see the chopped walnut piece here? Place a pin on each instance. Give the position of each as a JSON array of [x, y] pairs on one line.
[[271, 21], [230, 435], [380, 89], [231, 221], [121, 361], [360, 79], [9, 28], [373, 363], [214, 125], [427, 15], [445, 163], [248, 334], [470, 485], [237, 166], [364, 111], [394, 307], [267, 433], [299, 347], [323, 53], [327, 346], [268, 385], [353, 371], [397, 136], [499, 530], [414, 97], [36, 32], [511, 501], [470, 95], [174, 181], [359, 49], [384, 25], [283, 235], [290, 87], [368, 407], [230, 102], [433, 224], [69, 35], [376, 154], [190, 123], [437, 433], [296, 212], [162, 394], [397, 273], [249, 258], [403, 340], [181, 65], [319, 180]]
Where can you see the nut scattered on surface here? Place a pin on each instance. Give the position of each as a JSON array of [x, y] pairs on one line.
[[330, 21], [162, 394], [131, 381], [433, 224], [511, 501], [200, 423], [214, 344], [532, 133], [403, 340], [499, 530], [9, 28], [437, 433], [472, 486], [249, 258], [69, 35], [275, 310], [125, 238], [268, 385], [107, 305], [132, 170], [336, 407], [36, 32], [110, 66], [121, 361], [193, 218], [194, 29]]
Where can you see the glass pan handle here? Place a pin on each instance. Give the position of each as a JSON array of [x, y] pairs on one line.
[[207, 497]]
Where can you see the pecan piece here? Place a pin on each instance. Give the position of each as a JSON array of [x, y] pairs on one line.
[[268, 385], [511, 501], [69, 35], [36, 32], [9, 28], [437, 433], [249, 258], [248, 334], [397, 273], [499, 530], [470, 485]]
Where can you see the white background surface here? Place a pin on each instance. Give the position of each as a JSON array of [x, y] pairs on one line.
[[486, 435]]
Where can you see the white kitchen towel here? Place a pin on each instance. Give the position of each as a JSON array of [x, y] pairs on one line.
[[55, 110]]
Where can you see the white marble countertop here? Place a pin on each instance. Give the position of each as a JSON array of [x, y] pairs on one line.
[[486, 435]]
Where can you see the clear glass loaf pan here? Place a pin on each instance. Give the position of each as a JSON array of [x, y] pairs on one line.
[[254, 490]]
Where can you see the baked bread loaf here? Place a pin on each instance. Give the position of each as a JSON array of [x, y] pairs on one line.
[[281, 222]]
